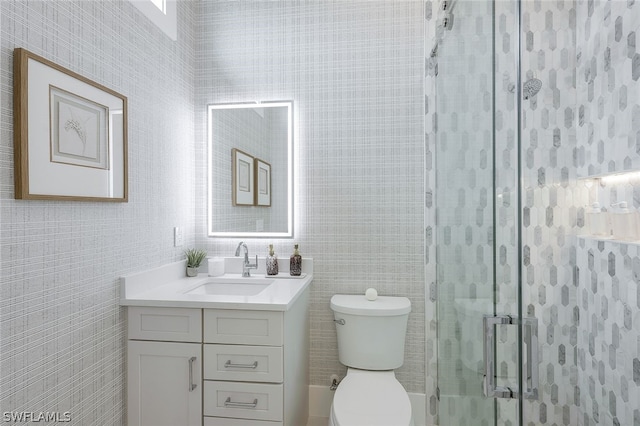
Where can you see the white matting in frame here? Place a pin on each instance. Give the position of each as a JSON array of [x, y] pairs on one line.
[[79, 130], [242, 179], [263, 183], [70, 134]]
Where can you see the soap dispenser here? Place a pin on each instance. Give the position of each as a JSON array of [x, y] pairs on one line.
[[623, 222], [272, 262], [597, 221], [295, 262]]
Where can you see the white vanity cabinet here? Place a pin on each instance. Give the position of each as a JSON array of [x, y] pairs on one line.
[[164, 359], [256, 366], [218, 367]]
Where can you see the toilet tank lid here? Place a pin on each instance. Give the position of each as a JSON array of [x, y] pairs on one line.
[[381, 307]]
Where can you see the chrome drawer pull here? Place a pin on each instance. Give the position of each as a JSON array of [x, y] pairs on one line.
[[231, 404], [228, 364]]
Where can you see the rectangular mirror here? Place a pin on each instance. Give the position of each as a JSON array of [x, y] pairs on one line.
[[250, 177]]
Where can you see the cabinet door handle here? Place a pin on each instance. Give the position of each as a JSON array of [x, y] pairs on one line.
[[228, 364], [231, 404], [192, 385]]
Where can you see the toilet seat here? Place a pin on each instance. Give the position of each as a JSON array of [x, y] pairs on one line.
[[371, 398]]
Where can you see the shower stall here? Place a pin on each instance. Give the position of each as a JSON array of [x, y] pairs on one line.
[[536, 105]]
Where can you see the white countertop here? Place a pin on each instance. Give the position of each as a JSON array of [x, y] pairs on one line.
[[167, 286]]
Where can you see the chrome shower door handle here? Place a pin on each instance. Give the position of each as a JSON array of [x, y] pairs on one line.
[[530, 372], [531, 378], [491, 390]]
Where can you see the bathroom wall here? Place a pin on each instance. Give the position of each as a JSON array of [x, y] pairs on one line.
[[62, 333], [355, 73], [608, 293], [551, 202], [584, 292]]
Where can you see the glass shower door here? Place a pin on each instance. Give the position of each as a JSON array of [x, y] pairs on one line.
[[478, 256]]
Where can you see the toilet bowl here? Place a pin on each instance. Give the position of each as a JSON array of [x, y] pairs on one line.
[[371, 335], [370, 398]]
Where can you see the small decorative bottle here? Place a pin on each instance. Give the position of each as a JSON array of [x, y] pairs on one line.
[[597, 221], [623, 221], [295, 262], [272, 262]]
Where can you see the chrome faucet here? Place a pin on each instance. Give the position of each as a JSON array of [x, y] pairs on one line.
[[246, 266]]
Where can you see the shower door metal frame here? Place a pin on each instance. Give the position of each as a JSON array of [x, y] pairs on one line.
[[527, 345]]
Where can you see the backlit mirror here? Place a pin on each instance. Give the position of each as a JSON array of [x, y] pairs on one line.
[[251, 170]]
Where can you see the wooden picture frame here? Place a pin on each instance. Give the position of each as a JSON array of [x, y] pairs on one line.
[[263, 183], [242, 178], [70, 134]]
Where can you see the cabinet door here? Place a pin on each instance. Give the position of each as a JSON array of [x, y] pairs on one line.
[[164, 383]]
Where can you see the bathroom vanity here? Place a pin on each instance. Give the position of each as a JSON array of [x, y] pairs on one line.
[[199, 357]]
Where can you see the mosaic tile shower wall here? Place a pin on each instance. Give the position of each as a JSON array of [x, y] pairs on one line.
[[551, 198], [554, 198], [608, 297], [608, 333], [608, 77], [355, 74], [62, 330]]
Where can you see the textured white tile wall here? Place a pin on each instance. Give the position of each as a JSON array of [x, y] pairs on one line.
[[551, 198], [608, 294], [355, 71], [61, 329]]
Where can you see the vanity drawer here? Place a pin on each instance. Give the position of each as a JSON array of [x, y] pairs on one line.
[[243, 363], [256, 401], [239, 327], [225, 421], [170, 324]]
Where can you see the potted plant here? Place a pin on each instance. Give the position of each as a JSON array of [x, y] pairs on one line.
[[194, 259]]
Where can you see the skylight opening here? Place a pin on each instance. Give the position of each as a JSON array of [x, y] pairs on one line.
[[163, 13], [160, 4]]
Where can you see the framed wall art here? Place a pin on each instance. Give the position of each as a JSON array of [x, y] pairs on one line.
[[263, 183], [70, 134], [242, 178]]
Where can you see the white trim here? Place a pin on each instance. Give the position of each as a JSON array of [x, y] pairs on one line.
[[321, 397], [167, 21]]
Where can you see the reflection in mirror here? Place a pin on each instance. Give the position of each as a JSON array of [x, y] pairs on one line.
[[251, 159]]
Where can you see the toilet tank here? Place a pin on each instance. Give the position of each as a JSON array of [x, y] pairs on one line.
[[371, 333]]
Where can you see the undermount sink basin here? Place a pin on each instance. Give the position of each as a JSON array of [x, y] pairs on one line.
[[232, 286]]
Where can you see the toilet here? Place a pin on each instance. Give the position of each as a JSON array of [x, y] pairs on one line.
[[371, 336]]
